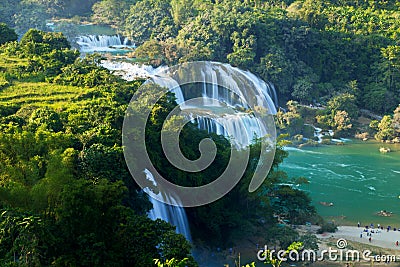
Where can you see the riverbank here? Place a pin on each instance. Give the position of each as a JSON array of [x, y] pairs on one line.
[[383, 243], [383, 238]]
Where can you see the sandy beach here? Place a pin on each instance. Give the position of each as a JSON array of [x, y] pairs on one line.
[[382, 239]]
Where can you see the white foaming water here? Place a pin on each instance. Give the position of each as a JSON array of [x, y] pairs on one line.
[[240, 128], [129, 71], [175, 215], [103, 43]]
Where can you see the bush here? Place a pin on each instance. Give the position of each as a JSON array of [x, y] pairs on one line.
[[3, 81], [7, 34], [329, 227]]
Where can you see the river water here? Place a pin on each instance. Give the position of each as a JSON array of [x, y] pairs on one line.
[[358, 179]]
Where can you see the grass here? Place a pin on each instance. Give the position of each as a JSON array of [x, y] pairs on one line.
[[44, 94], [12, 63], [21, 90], [27, 91]]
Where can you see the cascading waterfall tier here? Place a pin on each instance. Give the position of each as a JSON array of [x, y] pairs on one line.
[[212, 83], [175, 215], [93, 43]]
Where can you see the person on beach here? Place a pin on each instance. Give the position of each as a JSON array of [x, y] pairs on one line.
[[397, 243], [361, 235], [358, 224], [370, 239]]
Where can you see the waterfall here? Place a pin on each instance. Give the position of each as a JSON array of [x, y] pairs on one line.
[[319, 134], [232, 117], [175, 215], [91, 43], [240, 128]]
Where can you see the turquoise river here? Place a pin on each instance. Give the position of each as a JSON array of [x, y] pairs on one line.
[[358, 179]]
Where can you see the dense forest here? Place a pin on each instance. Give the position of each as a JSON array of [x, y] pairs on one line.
[[66, 196], [312, 51]]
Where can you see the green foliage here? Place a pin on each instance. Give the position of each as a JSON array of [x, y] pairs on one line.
[[171, 263], [46, 119], [329, 227], [20, 238], [147, 19], [276, 262], [302, 90], [36, 42], [309, 242], [344, 102], [3, 80], [85, 72], [150, 51], [111, 12], [293, 204], [7, 34], [46, 54], [182, 11], [54, 182], [27, 15], [385, 129], [396, 121]]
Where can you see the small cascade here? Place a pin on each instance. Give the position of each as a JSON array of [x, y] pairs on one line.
[[92, 43], [174, 215], [318, 134]]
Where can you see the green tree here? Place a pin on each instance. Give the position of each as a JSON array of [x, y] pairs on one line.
[[147, 19], [151, 52], [386, 131], [396, 121], [276, 67], [344, 102], [182, 10], [21, 239], [302, 90], [111, 12], [243, 49], [36, 42], [341, 121], [46, 119], [7, 34], [29, 14]]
